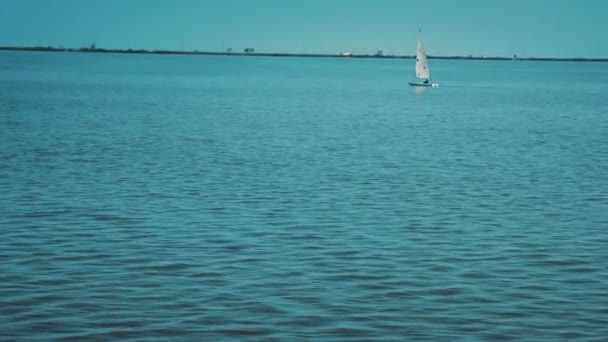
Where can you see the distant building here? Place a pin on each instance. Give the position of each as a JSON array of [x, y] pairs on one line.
[[379, 53], [249, 50], [345, 54]]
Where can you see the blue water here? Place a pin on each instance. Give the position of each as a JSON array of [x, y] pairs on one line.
[[192, 198]]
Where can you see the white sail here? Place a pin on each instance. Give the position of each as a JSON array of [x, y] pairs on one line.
[[422, 66]]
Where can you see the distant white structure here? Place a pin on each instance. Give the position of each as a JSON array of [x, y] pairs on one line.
[[345, 54]]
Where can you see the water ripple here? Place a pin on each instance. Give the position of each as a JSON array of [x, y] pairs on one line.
[[161, 198]]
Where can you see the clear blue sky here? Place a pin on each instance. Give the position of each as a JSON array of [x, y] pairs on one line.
[[544, 28]]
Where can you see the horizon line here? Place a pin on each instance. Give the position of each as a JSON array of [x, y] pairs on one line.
[[251, 52]]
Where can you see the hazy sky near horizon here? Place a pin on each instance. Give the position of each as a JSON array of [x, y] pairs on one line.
[[543, 28]]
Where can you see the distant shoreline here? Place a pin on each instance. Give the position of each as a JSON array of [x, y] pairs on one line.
[[272, 54]]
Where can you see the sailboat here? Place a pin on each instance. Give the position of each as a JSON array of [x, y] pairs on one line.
[[423, 74]]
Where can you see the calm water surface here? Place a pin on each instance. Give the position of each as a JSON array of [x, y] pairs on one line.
[[191, 198]]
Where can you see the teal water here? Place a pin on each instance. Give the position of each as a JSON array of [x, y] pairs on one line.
[[191, 198]]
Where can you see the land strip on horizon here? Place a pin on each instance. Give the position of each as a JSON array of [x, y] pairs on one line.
[[274, 54]]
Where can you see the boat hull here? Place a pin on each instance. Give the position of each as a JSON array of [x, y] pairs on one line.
[[421, 84]]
